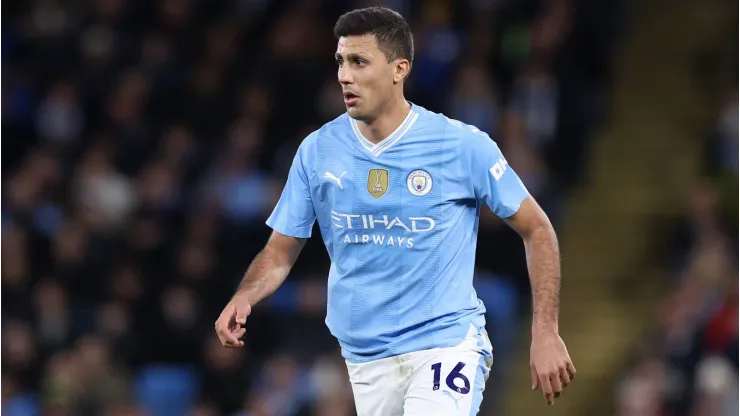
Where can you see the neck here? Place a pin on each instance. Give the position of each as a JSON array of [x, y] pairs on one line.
[[384, 124]]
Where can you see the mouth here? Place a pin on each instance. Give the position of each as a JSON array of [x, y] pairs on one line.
[[350, 98]]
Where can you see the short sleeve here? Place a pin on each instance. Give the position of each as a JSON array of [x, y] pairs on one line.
[[494, 181], [294, 214]]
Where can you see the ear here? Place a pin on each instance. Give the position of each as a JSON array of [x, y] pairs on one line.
[[401, 69]]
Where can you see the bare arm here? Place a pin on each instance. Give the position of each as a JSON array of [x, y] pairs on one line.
[[550, 364], [266, 273], [543, 263], [269, 268]]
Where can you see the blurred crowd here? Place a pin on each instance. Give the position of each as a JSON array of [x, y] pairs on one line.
[[147, 141], [689, 364]]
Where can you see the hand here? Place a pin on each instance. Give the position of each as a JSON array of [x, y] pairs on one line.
[[230, 325], [550, 365]]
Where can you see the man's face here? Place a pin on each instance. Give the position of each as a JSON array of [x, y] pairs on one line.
[[366, 76]]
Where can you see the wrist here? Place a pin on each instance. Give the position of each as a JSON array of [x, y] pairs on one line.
[[243, 296], [544, 328]]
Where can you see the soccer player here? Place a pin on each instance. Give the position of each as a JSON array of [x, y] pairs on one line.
[[397, 191]]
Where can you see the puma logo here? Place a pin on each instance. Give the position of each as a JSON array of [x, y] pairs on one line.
[[329, 175]]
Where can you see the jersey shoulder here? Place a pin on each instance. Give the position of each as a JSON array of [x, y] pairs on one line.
[[332, 129], [467, 138], [339, 127]]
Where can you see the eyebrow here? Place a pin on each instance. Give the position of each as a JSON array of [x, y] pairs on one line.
[[351, 56]]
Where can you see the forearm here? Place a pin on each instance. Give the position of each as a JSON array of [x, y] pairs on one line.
[[266, 273], [543, 263]]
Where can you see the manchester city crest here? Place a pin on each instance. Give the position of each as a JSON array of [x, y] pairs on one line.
[[419, 182]]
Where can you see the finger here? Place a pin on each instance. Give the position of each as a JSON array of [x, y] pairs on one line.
[[239, 332], [564, 377], [226, 337], [546, 388], [554, 377], [571, 369], [232, 343], [241, 314], [535, 379]]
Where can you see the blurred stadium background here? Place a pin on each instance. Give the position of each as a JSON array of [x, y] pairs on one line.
[[147, 141]]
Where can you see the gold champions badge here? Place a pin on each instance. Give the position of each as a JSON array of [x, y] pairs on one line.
[[377, 182]]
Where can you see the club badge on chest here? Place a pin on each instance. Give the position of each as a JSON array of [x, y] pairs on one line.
[[419, 182]]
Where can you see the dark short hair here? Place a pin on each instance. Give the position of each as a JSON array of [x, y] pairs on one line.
[[391, 31]]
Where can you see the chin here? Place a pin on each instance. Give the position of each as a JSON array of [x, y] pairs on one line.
[[355, 113]]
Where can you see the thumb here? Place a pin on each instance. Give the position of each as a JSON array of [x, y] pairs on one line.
[[242, 311], [535, 377]]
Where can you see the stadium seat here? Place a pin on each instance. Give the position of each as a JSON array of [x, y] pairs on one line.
[[167, 390]]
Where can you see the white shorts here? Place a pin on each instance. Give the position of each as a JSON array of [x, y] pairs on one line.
[[440, 381]]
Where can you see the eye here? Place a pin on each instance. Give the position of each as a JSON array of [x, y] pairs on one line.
[[361, 61]]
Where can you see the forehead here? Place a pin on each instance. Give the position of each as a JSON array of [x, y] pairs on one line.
[[358, 44]]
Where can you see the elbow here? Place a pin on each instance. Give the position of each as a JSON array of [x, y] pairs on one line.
[[540, 228]]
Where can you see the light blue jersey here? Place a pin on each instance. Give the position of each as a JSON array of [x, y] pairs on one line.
[[400, 221]]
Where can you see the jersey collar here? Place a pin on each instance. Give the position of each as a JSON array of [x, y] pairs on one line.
[[393, 138]]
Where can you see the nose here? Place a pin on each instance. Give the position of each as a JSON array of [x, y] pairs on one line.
[[344, 75]]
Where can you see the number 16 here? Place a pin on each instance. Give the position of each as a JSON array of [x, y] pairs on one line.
[[450, 381]]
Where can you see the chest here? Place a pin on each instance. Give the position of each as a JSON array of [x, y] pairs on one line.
[[398, 184]]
